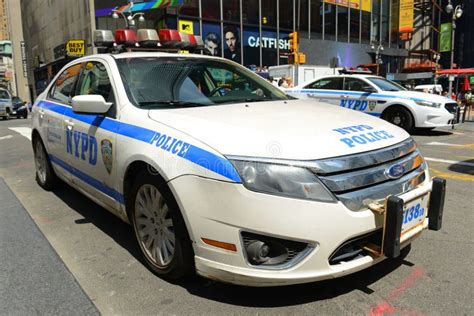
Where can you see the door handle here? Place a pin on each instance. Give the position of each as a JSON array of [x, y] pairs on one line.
[[69, 124]]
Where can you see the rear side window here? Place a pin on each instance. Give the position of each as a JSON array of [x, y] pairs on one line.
[[354, 84], [326, 84], [4, 94], [63, 88]]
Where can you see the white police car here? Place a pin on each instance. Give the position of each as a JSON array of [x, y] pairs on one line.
[[380, 97], [222, 174]]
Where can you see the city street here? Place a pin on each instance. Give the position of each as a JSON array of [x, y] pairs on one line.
[[435, 278]]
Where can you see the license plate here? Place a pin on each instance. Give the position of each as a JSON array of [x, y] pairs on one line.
[[414, 213]]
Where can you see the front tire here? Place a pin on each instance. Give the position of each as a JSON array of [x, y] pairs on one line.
[[159, 228], [400, 117], [45, 175]]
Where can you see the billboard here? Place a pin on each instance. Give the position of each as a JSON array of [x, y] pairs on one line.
[[445, 37], [364, 5]]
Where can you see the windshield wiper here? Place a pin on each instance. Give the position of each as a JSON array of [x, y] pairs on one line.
[[169, 103]]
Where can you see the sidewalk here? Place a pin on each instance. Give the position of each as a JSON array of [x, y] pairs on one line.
[[33, 279]]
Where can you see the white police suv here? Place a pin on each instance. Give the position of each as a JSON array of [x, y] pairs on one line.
[[380, 97], [220, 173]]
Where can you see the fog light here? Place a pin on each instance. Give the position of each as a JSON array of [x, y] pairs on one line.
[[257, 252]]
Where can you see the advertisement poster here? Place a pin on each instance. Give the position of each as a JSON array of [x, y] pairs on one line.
[[445, 37], [406, 16], [365, 5]]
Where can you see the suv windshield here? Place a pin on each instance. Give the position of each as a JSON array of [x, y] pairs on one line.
[[174, 82], [386, 85]]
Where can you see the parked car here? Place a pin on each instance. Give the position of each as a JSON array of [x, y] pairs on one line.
[[19, 108], [222, 174], [380, 97], [5, 104]]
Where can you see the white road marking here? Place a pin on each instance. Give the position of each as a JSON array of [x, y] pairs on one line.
[[444, 144], [6, 137], [23, 131], [451, 162]]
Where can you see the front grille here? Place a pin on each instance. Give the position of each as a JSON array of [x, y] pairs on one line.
[[451, 107], [358, 180]]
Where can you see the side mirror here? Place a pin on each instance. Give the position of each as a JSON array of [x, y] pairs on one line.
[[90, 104]]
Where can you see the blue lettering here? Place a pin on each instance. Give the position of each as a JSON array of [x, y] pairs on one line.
[[364, 105], [370, 140], [177, 147], [341, 131], [359, 140], [351, 104], [92, 150], [161, 140], [166, 143], [155, 138], [69, 141], [372, 134], [171, 145], [379, 136], [387, 134], [85, 145], [343, 103], [77, 137], [184, 150], [367, 127], [348, 142]]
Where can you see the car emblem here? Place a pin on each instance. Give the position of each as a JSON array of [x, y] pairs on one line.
[[395, 171], [107, 154]]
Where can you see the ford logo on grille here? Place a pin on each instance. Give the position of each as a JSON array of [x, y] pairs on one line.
[[395, 171]]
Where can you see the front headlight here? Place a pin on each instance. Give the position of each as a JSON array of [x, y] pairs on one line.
[[282, 180], [427, 103]]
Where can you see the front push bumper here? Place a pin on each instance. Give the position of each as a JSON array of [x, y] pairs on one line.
[[223, 211]]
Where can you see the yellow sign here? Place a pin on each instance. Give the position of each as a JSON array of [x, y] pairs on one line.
[[76, 48], [406, 16], [186, 26], [365, 5]]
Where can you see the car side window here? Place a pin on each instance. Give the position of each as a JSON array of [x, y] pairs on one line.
[[354, 84], [95, 80], [63, 88], [16, 100], [326, 84]]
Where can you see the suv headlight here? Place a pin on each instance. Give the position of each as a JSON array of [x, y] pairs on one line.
[[282, 180], [427, 103]]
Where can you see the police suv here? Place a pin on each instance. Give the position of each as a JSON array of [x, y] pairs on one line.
[[220, 173], [380, 97]]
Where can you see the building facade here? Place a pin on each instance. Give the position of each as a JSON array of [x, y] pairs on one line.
[[4, 34]]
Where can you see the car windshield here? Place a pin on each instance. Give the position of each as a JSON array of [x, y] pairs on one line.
[[176, 82], [386, 85]]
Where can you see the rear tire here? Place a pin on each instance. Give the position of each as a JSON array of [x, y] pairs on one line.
[[45, 175], [159, 228], [400, 117]]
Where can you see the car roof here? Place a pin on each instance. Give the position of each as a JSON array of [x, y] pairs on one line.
[[151, 54]]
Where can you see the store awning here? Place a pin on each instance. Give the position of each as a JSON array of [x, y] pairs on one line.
[[142, 6], [461, 71]]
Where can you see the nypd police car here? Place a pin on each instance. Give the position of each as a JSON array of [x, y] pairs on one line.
[[380, 97], [220, 173]]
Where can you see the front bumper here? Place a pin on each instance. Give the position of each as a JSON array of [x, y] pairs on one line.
[[221, 211], [427, 117]]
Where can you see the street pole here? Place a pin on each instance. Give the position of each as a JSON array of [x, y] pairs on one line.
[[450, 89]]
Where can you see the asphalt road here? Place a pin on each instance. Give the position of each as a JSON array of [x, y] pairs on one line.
[[436, 277]]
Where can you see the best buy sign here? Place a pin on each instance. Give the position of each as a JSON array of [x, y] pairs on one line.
[[76, 48]]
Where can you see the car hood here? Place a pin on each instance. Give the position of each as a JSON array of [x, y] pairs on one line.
[[298, 130], [415, 95]]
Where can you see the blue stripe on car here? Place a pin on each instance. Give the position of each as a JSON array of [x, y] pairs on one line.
[[88, 179], [338, 92], [194, 154]]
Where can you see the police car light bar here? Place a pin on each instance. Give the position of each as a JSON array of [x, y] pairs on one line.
[[355, 71], [148, 38], [103, 38], [126, 37], [169, 38]]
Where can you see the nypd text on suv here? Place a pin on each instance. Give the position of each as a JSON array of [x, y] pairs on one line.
[[380, 97], [221, 174]]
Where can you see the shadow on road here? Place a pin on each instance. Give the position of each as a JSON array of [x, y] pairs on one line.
[[430, 132], [231, 294], [462, 168]]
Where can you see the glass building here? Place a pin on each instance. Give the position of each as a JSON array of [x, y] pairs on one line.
[[255, 32]]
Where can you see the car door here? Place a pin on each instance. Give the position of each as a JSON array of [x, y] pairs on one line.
[[358, 95], [325, 90], [51, 118], [91, 138]]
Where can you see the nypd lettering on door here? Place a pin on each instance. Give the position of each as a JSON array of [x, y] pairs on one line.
[[82, 146]]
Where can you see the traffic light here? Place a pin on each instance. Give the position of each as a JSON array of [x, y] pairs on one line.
[[294, 42]]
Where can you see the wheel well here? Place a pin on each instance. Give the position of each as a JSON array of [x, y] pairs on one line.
[[132, 170], [397, 106], [34, 135]]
